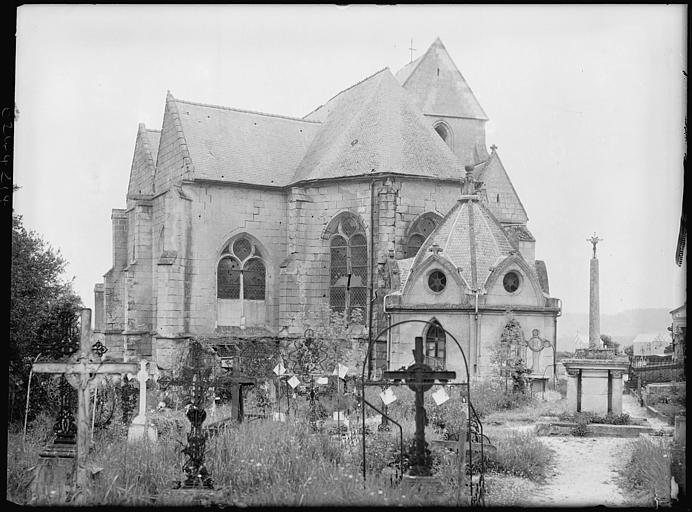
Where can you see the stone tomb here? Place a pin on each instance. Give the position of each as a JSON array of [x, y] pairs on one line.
[[594, 381]]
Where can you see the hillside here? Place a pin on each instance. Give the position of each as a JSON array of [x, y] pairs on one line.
[[623, 326]]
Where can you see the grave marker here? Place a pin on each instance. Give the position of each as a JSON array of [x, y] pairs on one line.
[[420, 378], [82, 372]]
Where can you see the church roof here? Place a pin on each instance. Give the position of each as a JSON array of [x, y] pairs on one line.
[[153, 137], [472, 239], [437, 86], [243, 146], [374, 127]]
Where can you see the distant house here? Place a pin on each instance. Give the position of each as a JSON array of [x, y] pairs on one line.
[[650, 343], [580, 342], [679, 331]]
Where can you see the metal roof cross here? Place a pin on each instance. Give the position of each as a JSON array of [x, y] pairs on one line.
[[412, 49]]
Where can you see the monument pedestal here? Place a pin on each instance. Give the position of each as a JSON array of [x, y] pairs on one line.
[[55, 474], [139, 431], [595, 381]]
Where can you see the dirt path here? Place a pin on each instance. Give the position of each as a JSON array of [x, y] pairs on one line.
[[585, 472]]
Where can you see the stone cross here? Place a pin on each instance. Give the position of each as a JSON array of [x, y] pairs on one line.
[[420, 378], [81, 372], [139, 428], [142, 377]]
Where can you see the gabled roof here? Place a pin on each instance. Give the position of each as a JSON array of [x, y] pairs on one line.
[[472, 239], [493, 174], [242, 146], [143, 162], [374, 127], [437, 86]]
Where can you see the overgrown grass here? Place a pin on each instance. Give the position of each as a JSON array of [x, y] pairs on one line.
[[255, 463], [647, 473], [521, 454]]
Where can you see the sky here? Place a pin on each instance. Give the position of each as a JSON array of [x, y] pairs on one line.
[[587, 107]]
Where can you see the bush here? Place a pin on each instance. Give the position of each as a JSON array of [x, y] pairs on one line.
[[648, 470], [521, 454], [489, 395]]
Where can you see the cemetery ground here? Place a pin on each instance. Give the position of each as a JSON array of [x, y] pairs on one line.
[[264, 462]]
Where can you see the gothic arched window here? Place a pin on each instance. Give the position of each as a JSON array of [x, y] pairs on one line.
[[444, 132], [435, 346], [241, 271], [419, 231], [348, 266]]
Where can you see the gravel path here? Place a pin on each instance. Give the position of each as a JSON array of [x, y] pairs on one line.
[[585, 472]]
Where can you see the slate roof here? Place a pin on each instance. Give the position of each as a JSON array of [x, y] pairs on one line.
[[153, 137], [242, 146], [374, 127], [438, 87], [472, 239]]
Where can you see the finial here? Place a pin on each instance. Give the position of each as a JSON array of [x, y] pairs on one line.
[[435, 249], [594, 240], [493, 148]]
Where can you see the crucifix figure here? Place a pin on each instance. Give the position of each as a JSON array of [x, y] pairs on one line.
[[594, 240], [420, 378], [83, 372]]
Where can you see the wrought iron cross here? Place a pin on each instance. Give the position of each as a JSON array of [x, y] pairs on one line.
[[412, 49], [420, 378], [594, 240]]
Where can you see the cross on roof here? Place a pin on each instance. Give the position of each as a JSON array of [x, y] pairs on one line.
[[493, 147], [412, 49]]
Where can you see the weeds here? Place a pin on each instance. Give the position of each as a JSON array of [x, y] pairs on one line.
[[521, 454], [648, 471]]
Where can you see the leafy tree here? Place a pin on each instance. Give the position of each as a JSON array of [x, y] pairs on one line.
[[609, 343], [629, 350], [39, 297]]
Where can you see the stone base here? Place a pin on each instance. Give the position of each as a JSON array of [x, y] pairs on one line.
[[421, 484], [141, 432], [54, 481]]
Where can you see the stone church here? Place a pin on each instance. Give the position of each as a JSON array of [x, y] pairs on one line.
[[383, 202]]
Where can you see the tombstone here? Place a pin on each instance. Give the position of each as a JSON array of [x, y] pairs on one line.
[[57, 472], [139, 428]]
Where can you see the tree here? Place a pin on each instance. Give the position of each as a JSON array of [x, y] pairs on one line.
[[609, 343], [39, 296], [629, 350]]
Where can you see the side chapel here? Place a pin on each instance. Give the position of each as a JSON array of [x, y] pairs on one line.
[[239, 223]]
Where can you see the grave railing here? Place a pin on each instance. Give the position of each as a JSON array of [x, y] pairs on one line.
[[475, 426]]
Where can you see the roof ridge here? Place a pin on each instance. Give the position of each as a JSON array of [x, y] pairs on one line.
[[244, 111], [347, 89]]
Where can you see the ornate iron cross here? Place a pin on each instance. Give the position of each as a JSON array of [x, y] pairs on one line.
[[420, 378]]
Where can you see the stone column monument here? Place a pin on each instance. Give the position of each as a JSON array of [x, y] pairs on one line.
[[594, 307], [595, 374]]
